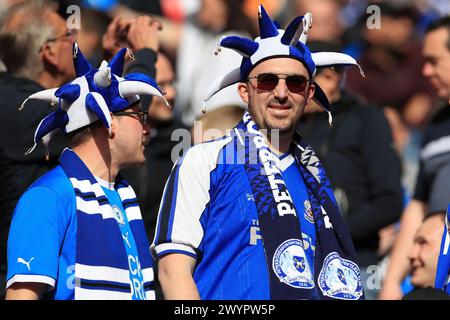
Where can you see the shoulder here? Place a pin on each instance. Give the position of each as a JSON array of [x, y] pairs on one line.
[[369, 115], [205, 154], [441, 115], [363, 109], [55, 180], [53, 189], [438, 127]]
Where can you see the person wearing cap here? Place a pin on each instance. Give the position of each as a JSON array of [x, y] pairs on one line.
[[77, 232], [249, 217]]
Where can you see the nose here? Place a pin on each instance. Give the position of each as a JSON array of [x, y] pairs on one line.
[[146, 129], [414, 252], [280, 91], [427, 69], [170, 92]]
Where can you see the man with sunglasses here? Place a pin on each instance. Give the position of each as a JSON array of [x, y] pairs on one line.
[[252, 215], [77, 232]]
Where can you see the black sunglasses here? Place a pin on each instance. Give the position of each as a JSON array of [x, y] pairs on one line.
[[143, 115], [268, 81]]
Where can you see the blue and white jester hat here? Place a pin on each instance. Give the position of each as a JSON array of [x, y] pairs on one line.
[[274, 42], [92, 96]]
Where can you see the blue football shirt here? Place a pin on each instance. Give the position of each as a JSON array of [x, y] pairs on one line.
[[42, 237], [208, 212], [43, 234]]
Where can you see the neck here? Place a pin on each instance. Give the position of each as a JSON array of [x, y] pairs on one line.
[[47, 80], [98, 160], [280, 143]]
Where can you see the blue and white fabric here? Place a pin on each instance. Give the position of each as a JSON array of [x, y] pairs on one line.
[[92, 96], [102, 268], [213, 212], [443, 268], [42, 244]]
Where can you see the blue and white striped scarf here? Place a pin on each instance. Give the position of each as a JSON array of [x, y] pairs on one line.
[[101, 266], [443, 268], [335, 274]]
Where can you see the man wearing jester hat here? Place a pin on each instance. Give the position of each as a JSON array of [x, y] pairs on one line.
[[249, 216], [77, 232]]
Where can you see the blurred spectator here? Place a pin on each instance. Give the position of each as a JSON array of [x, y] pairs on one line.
[[36, 47], [427, 294], [281, 10], [139, 35], [432, 193], [358, 156], [216, 123], [93, 26], [6, 4], [194, 43], [407, 142], [390, 57], [424, 254], [326, 18], [178, 10]]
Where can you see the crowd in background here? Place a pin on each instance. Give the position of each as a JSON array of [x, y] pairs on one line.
[[388, 110]]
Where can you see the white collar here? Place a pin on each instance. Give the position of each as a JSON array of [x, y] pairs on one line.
[[105, 184]]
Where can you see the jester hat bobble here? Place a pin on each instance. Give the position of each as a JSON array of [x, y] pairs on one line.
[[92, 96], [274, 42]]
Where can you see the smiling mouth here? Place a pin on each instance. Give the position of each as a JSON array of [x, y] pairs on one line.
[[280, 107]]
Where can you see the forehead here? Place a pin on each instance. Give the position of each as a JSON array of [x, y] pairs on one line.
[[436, 41], [431, 228], [56, 20], [280, 65], [136, 107], [164, 68]]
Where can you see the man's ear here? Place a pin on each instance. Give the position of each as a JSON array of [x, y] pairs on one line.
[[113, 127], [243, 91], [310, 92]]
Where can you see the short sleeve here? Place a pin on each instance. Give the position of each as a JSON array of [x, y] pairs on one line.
[[35, 237], [185, 201]]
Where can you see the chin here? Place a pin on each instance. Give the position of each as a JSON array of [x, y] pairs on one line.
[[417, 282], [282, 126]]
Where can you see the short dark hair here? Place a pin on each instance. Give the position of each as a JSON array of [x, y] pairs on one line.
[[81, 135], [442, 23], [440, 214]]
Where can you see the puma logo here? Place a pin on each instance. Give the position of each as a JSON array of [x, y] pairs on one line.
[[125, 237], [27, 263]]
